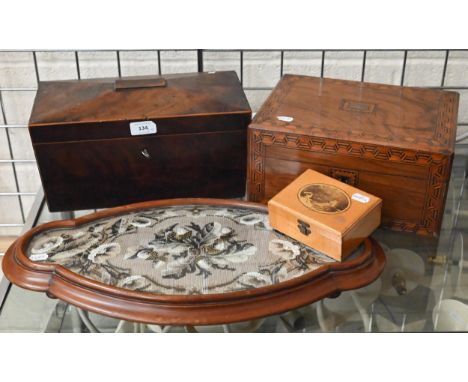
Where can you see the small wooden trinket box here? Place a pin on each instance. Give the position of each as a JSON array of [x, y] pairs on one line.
[[325, 214]]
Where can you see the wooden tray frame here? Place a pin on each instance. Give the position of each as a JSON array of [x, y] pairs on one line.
[[220, 308]]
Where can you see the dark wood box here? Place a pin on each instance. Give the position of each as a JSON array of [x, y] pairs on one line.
[[394, 142], [88, 156]]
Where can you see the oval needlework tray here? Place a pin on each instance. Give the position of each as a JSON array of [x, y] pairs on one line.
[[182, 262]]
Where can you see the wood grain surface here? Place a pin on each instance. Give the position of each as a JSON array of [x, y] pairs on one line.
[[336, 225], [87, 157], [391, 141], [120, 303]]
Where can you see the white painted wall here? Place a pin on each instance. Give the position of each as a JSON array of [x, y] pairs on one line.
[[261, 69]]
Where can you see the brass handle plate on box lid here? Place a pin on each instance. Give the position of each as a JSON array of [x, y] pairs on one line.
[[129, 84]]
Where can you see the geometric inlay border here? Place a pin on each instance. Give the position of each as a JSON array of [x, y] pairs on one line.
[[439, 167]]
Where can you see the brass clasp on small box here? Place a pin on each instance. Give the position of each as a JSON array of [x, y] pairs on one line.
[[304, 227]]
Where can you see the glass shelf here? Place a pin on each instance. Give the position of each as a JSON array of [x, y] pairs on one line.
[[424, 287]]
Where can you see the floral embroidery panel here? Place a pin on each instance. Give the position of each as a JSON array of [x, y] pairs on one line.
[[198, 249]]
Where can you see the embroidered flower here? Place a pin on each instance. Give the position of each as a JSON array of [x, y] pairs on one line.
[[150, 252], [179, 267], [103, 252], [47, 245], [254, 280], [190, 242], [296, 258], [251, 219], [140, 222], [135, 282], [194, 248], [284, 249], [225, 212], [78, 235], [234, 255], [226, 231], [75, 245]]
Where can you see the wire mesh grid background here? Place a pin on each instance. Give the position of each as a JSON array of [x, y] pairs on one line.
[[259, 71]]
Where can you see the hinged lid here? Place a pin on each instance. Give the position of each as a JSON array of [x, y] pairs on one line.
[[108, 99], [388, 115], [320, 201], [108, 108]]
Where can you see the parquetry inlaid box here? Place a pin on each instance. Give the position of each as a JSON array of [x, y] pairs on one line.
[[325, 214], [394, 142]]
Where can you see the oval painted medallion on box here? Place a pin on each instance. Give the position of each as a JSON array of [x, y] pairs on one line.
[[324, 198]]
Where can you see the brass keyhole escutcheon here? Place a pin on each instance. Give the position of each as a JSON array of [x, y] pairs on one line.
[[344, 179], [145, 153], [304, 227]]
